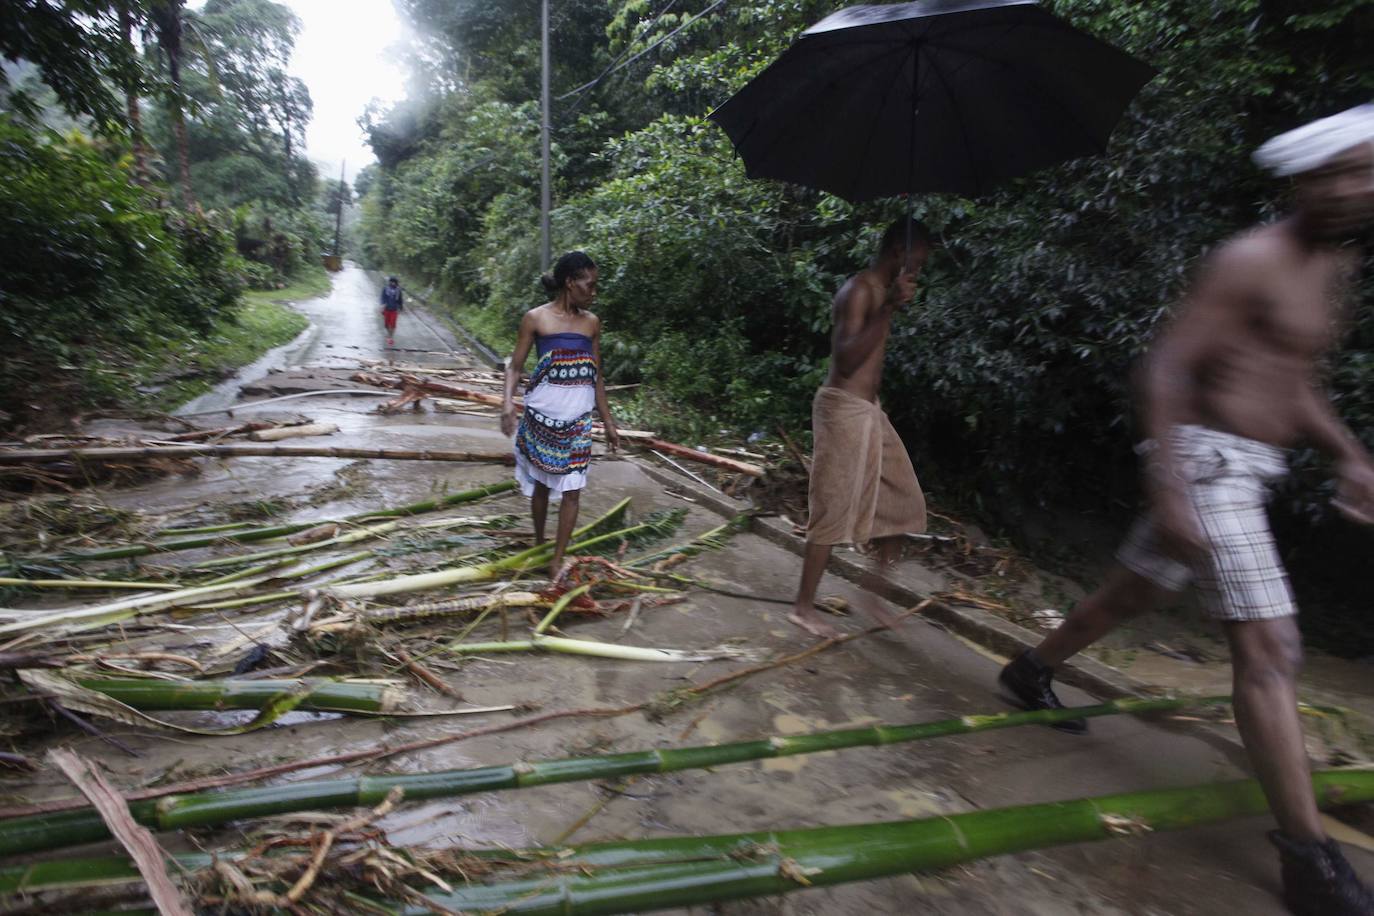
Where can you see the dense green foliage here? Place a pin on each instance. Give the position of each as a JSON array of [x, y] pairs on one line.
[[1011, 374], [90, 264], [105, 284]]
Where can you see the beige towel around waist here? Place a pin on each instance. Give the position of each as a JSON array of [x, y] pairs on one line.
[[863, 486]]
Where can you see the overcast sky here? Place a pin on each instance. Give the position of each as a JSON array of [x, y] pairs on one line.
[[346, 55]]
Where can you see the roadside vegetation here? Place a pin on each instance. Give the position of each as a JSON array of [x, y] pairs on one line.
[[151, 171]]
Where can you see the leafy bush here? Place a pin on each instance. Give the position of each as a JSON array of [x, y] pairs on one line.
[[90, 264]]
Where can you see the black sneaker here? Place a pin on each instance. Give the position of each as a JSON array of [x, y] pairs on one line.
[[1318, 881], [1028, 682]]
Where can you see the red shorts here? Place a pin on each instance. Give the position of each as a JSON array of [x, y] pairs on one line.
[[389, 317]]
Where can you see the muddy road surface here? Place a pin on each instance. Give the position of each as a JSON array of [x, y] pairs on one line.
[[919, 672]]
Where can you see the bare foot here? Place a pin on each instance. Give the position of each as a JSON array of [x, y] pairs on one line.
[[873, 606], [810, 620]]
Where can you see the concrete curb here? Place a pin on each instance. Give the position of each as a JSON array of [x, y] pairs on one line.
[[985, 629]]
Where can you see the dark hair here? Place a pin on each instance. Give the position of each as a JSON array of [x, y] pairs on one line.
[[392, 280], [896, 235], [567, 267]]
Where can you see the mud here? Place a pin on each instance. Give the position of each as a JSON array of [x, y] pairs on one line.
[[917, 673]]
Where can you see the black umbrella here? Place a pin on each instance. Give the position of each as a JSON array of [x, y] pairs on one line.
[[937, 95]]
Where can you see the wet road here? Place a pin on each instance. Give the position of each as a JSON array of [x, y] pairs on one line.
[[349, 325], [919, 673]]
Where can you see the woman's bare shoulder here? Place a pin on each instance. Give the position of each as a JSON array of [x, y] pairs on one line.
[[536, 316]]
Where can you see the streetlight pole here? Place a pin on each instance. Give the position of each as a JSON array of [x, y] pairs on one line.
[[546, 185]]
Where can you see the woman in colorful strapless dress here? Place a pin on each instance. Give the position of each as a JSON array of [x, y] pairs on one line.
[[553, 437]]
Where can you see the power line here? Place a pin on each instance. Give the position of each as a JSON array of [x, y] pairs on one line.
[[616, 67], [619, 57]]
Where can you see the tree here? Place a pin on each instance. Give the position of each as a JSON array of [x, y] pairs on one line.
[[251, 42], [79, 46], [168, 23]]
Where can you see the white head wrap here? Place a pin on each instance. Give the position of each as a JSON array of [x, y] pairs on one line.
[[1313, 145]]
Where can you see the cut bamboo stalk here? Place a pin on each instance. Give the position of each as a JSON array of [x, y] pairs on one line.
[[204, 529], [676, 872], [32, 456], [293, 432], [150, 695], [679, 872], [68, 828]]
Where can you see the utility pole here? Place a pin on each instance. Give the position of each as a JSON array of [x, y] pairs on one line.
[[338, 217], [546, 185]]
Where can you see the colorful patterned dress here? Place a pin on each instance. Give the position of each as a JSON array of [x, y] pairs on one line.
[[553, 445]]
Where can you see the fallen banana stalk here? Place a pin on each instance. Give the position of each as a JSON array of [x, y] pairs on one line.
[[717, 538], [69, 828], [99, 615], [524, 560]]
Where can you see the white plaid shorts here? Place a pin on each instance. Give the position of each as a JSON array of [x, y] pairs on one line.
[[1240, 577]]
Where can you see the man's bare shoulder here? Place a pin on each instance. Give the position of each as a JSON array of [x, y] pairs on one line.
[[1252, 255], [857, 293]]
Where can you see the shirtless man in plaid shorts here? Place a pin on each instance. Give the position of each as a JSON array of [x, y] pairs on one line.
[[1228, 388]]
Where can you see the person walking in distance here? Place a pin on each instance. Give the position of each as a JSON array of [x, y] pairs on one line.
[[553, 436], [391, 308], [863, 487], [1227, 389]]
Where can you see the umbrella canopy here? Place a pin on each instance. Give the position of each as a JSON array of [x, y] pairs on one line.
[[937, 95]]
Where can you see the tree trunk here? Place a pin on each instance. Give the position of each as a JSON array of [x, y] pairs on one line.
[[167, 15], [188, 199], [135, 114]]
